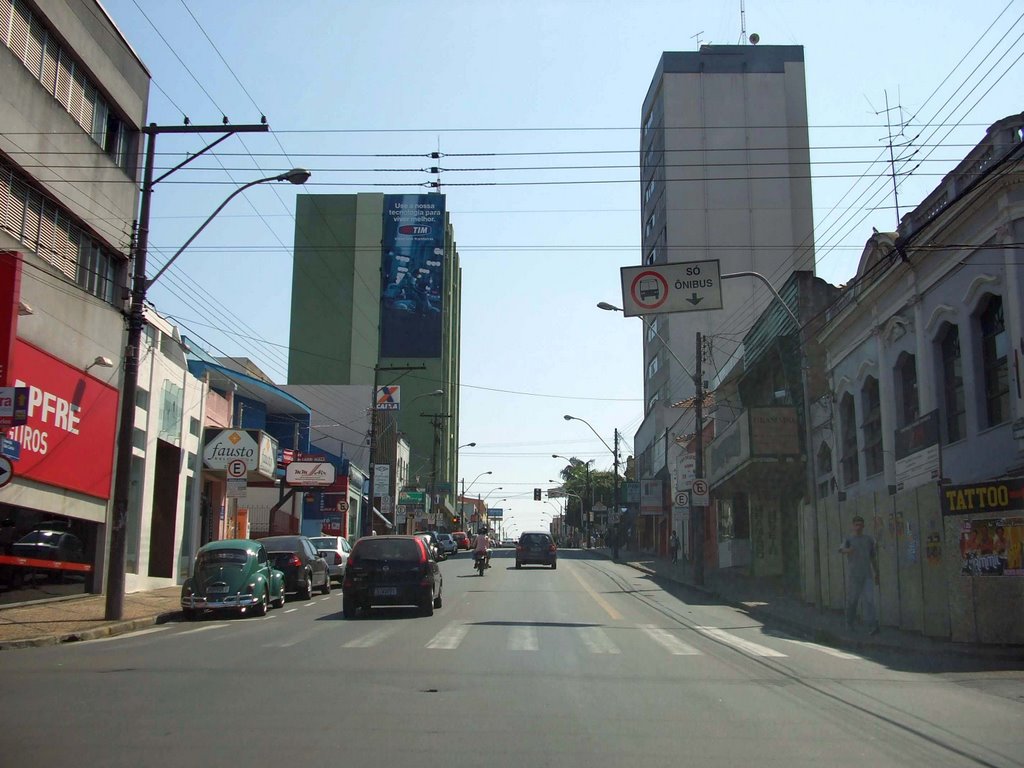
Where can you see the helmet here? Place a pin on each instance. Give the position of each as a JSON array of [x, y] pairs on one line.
[[483, 530]]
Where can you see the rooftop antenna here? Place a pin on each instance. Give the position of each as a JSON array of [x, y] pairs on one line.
[[743, 22], [907, 142], [697, 38]]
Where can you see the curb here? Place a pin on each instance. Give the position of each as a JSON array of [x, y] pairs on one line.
[[95, 633], [830, 638]]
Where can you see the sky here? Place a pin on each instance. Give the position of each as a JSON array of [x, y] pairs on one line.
[[535, 109]]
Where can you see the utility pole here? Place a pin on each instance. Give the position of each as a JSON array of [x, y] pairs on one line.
[[697, 512], [615, 496]]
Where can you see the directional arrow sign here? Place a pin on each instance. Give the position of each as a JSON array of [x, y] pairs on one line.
[[683, 287], [6, 472]]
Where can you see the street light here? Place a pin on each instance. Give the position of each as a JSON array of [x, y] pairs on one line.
[[462, 506], [467, 445], [114, 606], [584, 523], [615, 492]]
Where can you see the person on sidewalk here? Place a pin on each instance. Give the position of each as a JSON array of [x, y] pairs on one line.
[[673, 545], [862, 557]]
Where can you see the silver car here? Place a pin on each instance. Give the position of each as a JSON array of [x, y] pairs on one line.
[[448, 543], [333, 549]]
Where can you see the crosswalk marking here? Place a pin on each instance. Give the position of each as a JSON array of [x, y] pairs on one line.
[[597, 641], [823, 649], [523, 639], [202, 629], [448, 639], [372, 638], [739, 643], [668, 641]]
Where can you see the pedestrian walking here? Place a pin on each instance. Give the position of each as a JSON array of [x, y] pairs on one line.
[[862, 557], [673, 544]]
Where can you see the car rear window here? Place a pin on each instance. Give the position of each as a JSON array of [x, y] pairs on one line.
[[325, 542], [533, 539], [386, 549], [281, 558], [281, 543], [222, 557]]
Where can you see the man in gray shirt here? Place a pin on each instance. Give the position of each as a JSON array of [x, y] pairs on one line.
[[859, 549]]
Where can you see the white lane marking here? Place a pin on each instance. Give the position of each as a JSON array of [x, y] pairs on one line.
[[291, 610], [373, 638], [326, 597], [128, 636], [597, 640], [739, 643], [448, 639], [823, 649], [523, 639], [668, 641], [310, 604], [202, 629]]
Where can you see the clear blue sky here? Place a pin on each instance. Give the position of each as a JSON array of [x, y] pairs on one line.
[[345, 83]]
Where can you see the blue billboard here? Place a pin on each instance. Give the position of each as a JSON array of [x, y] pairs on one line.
[[412, 276]]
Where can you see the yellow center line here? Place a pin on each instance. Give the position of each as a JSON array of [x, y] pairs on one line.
[[615, 615]]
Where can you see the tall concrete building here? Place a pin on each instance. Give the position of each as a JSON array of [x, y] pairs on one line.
[[376, 298], [725, 174]]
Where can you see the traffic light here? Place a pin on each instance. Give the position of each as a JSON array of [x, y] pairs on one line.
[[536, 494]]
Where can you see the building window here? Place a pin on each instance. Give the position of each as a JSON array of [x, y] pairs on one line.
[[906, 388], [872, 426], [994, 362], [653, 366], [848, 422], [652, 329], [824, 462], [65, 79], [649, 227], [955, 409]]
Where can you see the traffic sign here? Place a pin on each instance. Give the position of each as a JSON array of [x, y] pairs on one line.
[[682, 499], [237, 468], [690, 286], [699, 495], [6, 471], [342, 506]]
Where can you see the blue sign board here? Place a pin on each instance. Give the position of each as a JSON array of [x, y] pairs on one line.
[[10, 448], [495, 513], [412, 276]]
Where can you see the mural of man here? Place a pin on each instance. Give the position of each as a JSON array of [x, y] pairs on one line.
[[862, 557]]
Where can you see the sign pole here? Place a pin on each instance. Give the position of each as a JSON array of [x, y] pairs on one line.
[[697, 510]]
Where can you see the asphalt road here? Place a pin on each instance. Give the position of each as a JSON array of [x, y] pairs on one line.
[[592, 664]]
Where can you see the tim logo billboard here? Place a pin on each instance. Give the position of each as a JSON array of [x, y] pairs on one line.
[[412, 276]]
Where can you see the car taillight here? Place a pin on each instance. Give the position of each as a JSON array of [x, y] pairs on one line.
[[295, 561], [552, 548], [337, 558]]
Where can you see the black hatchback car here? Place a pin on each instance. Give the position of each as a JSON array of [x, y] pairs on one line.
[[537, 548], [303, 568], [391, 570]]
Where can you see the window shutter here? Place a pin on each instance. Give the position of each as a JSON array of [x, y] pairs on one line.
[[19, 29], [48, 76], [34, 46], [76, 101], [33, 207], [65, 66], [19, 194], [6, 11]]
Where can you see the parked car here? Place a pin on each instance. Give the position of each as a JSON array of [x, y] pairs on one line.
[[462, 540], [234, 574], [536, 547], [433, 544], [304, 570], [448, 543], [50, 545], [335, 550], [391, 570]]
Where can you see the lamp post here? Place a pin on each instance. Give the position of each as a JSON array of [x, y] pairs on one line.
[[615, 492], [462, 506], [114, 604]]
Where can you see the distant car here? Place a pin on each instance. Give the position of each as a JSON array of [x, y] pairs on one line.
[[537, 548], [462, 540], [303, 568], [391, 570], [335, 550], [234, 574], [508, 542], [434, 545], [448, 543]]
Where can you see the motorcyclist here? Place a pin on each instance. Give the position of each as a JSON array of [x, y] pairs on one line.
[[482, 546]]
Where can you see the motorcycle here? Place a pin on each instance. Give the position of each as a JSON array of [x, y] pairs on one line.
[[480, 562]]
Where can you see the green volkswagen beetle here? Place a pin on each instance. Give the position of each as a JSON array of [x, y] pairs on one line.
[[235, 575]]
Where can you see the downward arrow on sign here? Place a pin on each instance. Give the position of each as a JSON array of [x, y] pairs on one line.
[[695, 299]]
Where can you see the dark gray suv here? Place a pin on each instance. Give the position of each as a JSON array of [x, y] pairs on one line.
[[537, 548]]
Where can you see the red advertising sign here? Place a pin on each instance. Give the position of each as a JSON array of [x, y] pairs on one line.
[[68, 440], [10, 294]]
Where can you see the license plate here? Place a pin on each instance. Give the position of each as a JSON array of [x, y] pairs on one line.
[[217, 589], [385, 591]]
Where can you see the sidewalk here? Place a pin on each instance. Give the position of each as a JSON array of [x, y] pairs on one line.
[[766, 602], [81, 618]]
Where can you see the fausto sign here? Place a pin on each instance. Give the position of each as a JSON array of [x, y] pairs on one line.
[[225, 445]]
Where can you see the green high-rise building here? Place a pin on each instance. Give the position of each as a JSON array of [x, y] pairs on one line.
[[376, 282]]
